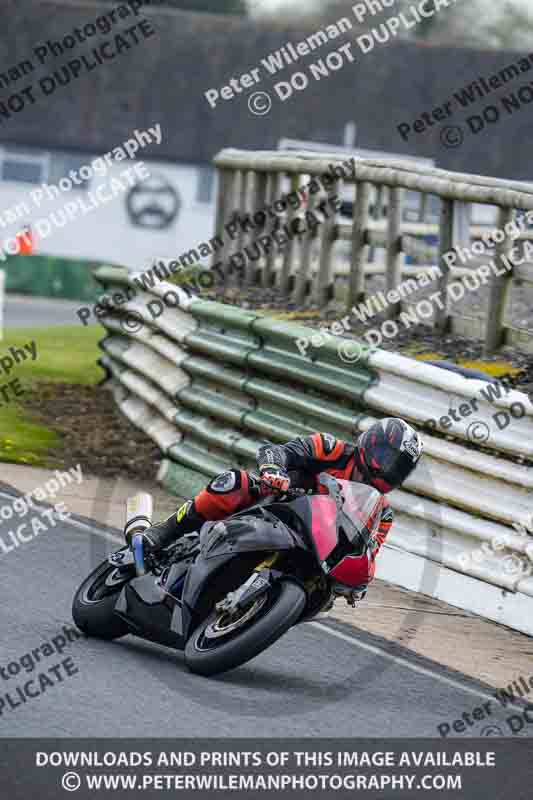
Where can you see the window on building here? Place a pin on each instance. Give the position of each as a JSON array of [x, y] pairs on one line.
[[63, 163], [23, 167], [206, 181]]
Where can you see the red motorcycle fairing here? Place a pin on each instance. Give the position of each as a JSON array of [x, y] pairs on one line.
[[363, 505], [323, 524], [352, 570]]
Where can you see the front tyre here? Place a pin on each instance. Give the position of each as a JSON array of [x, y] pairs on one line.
[[93, 607], [218, 645]]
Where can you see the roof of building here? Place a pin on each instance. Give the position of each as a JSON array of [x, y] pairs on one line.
[[163, 80]]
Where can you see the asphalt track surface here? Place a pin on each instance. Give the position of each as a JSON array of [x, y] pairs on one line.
[[22, 311], [320, 679]]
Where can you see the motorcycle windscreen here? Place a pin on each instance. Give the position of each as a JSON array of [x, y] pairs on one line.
[[364, 505]]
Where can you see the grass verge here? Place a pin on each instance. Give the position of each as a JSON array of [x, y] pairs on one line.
[[65, 354]]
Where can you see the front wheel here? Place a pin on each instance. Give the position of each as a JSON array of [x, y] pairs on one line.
[[221, 643], [93, 608]]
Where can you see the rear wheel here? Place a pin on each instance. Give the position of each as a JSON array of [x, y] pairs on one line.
[[93, 607], [222, 642]]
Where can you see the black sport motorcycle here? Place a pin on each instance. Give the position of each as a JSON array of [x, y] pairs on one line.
[[225, 594]]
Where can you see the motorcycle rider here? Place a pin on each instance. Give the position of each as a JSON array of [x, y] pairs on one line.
[[382, 457]]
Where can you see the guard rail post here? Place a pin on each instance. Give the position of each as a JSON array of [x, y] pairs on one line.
[[441, 317], [290, 247], [248, 237], [224, 210], [324, 285], [244, 177], [394, 252], [260, 202], [356, 292], [234, 219], [267, 277], [499, 289], [303, 274]]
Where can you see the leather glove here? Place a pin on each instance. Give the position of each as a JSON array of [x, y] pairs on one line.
[[273, 479]]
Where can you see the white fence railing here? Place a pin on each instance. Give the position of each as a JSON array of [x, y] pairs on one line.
[[250, 182]]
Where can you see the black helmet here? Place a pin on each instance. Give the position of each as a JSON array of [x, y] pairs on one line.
[[388, 452]]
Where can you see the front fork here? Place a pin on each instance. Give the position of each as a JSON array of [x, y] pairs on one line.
[[268, 563], [257, 584]]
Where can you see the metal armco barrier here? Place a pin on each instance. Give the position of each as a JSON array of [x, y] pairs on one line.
[[251, 181], [208, 382]]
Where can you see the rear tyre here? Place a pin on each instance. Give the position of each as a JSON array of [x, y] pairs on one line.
[[93, 607], [211, 650]]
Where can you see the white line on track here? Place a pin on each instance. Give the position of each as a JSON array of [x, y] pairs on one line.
[[103, 534], [403, 661]]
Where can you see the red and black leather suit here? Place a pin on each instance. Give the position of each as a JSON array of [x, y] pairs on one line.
[[303, 459]]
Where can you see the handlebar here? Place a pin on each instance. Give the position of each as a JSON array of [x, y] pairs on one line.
[[290, 494]]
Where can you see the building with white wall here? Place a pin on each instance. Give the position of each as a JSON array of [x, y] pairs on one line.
[[169, 212]]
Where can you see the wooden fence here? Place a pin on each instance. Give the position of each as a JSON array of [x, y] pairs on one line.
[[266, 240]]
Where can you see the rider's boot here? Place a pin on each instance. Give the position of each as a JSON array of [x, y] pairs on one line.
[[185, 520]]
